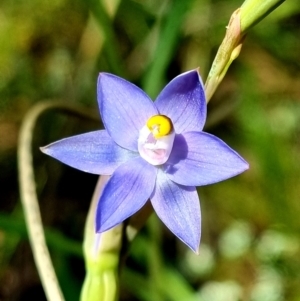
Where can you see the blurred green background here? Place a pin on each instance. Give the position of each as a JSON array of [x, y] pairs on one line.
[[250, 247]]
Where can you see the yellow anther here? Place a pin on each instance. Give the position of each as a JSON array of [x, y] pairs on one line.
[[160, 125]]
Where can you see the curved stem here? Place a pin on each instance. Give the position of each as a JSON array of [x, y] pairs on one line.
[[29, 197]]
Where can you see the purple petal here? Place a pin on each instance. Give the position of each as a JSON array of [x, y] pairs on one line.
[[93, 152], [199, 159], [183, 100], [126, 192], [179, 208], [124, 108]]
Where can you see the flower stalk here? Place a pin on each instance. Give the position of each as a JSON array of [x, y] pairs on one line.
[[245, 17], [253, 11], [228, 51], [101, 253], [29, 197]]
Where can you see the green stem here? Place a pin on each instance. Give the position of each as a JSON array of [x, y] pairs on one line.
[[253, 11], [227, 52], [101, 252], [249, 14], [29, 197]]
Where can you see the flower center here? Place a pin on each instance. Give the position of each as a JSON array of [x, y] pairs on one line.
[[156, 139], [159, 125]]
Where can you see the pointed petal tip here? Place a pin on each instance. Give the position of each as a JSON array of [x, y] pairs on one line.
[[247, 165], [195, 247], [192, 241], [44, 149], [196, 251], [197, 70], [178, 207], [243, 166], [239, 169], [105, 74], [103, 228]]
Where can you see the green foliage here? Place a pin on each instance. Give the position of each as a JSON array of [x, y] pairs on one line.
[[250, 240]]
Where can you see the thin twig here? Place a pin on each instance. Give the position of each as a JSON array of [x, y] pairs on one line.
[[29, 196]]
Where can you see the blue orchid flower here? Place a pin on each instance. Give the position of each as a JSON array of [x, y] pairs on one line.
[[153, 151]]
